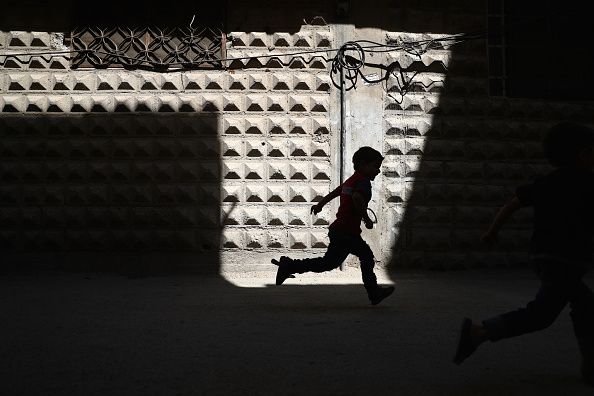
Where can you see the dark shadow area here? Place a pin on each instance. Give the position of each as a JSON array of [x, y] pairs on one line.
[[98, 334], [244, 15], [134, 193], [478, 148]]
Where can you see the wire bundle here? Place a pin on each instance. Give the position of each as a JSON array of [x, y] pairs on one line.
[[346, 64]]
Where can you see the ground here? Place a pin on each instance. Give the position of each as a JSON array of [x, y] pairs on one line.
[[107, 334]]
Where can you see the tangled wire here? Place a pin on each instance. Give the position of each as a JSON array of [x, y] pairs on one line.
[[350, 59]]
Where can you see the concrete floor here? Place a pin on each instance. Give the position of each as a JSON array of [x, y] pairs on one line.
[[105, 334]]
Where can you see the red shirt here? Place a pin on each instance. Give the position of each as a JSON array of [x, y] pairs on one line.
[[348, 218]]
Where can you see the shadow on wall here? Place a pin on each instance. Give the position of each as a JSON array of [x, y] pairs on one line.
[[461, 154], [133, 193], [475, 152]]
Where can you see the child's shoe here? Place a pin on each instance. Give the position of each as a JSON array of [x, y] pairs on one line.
[[377, 294], [284, 271]]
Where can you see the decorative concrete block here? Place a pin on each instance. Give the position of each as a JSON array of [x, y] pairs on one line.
[[276, 216], [320, 171], [299, 193], [255, 126], [277, 148], [318, 192], [278, 125], [233, 148], [237, 82], [255, 148], [258, 82], [255, 193], [231, 216], [276, 193], [256, 103], [277, 103], [319, 240], [61, 104], [277, 239], [301, 171], [298, 216], [394, 193], [37, 103], [320, 126], [255, 239], [320, 149], [233, 239], [282, 39], [299, 103], [282, 82], [278, 171], [318, 104], [255, 216], [233, 126], [300, 125], [232, 171], [255, 171], [299, 240]]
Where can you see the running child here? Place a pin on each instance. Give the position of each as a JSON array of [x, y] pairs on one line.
[[345, 231], [561, 248]]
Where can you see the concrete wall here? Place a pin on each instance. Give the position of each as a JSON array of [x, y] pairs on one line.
[[187, 163]]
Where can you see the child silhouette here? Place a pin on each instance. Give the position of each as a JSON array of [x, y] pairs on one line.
[[345, 232], [561, 247]]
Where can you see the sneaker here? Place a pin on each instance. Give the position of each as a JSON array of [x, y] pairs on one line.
[[379, 293], [283, 272]]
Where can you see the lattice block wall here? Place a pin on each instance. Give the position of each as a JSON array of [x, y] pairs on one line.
[[197, 160]]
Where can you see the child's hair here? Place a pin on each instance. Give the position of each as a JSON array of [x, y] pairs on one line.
[[365, 155], [564, 142]]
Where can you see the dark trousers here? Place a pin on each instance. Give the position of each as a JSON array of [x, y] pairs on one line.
[[560, 284], [341, 245]]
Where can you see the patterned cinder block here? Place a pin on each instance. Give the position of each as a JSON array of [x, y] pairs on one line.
[[277, 239], [255, 216], [278, 171], [278, 125], [255, 193], [299, 239], [299, 193], [319, 240], [255, 171], [233, 239], [276, 216], [232, 193], [276, 193], [256, 239]]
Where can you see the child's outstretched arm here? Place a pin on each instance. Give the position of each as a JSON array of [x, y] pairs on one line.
[[317, 208], [501, 217]]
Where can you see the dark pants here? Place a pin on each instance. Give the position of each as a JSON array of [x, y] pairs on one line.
[[560, 284], [341, 245]]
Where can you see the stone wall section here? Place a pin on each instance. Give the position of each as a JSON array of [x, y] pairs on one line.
[[253, 141], [277, 151]]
